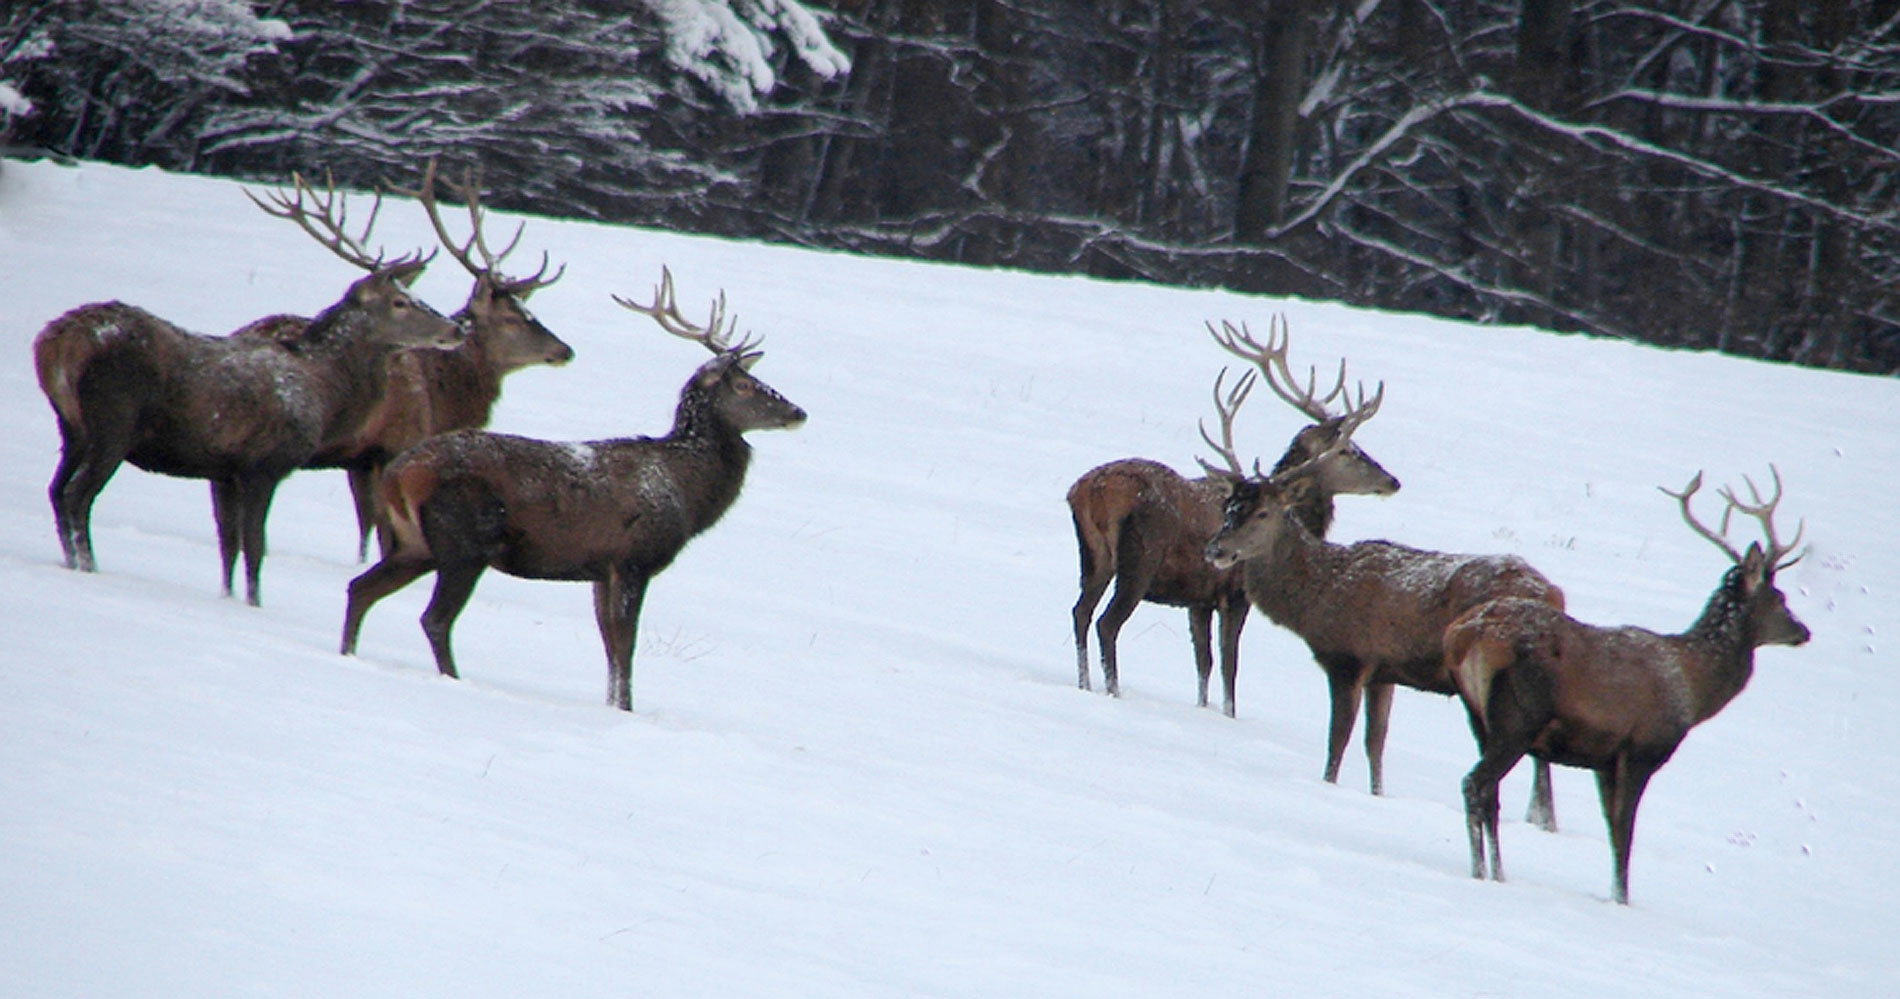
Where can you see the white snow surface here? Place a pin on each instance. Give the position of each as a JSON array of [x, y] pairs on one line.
[[858, 763]]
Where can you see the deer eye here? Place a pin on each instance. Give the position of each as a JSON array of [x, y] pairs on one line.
[[743, 388], [400, 303]]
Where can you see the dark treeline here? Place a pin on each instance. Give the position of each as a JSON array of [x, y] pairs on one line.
[[1702, 173]]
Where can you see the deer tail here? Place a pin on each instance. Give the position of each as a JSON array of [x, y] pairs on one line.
[[405, 488], [60, 355], [1475, 656]]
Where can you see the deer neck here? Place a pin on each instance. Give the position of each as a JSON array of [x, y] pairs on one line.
[[466, 375], [1315, 514], [715, 456], [1294, 565], [1721, 647], [347, 365]]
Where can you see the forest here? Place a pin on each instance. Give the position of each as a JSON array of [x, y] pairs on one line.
[[1709, 174]]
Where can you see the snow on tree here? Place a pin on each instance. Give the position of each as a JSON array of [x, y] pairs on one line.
[[728, 45]]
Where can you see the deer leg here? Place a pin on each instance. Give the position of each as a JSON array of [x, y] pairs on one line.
[[71, 456], [363, 493], [454, 584], [1233, 617], [1132, 578], [254, 498], [617, 601], [1344, 680], [1497, 757], [226, 512], [1201, 633], [463, 523], [1620, 785], [382, 579], [98, 458], [1543, 808], [1378, 714], [1094, 584]]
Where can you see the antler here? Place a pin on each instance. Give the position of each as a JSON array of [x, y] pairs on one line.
[[1271, 356], [1227, 404], [330, 226], [1270, 360], [715, 336], [469, 191], [1350, 421], [1762, 510]]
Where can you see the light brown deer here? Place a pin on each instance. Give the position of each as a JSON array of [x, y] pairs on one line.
[[242, 412], [429, 392], [1373, 613], [1614, 700], [613, 512], [1145, 527]]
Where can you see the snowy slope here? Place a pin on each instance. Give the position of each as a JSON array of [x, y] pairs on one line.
[[858, 764]]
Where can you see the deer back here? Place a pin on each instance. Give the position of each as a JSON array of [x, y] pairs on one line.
[[1375, 601]]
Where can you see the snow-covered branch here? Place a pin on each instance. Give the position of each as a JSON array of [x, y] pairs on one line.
[[728, 44]]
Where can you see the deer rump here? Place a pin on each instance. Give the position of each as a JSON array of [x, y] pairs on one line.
[[1142, 506], [546, 510]]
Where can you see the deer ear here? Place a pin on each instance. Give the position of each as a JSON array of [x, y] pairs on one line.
[[712, 370], [406, 273], [1755, 568]]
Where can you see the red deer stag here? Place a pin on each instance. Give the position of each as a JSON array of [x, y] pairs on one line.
[[614, 512], [429, 392], [240, 411], [1373, 613], [435, 391], [1145, 527], [1614, 700]]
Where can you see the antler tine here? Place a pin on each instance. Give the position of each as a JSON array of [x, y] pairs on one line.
[[469, 191], [1358, 413], [330, 226], [715, 336], [1350, 422], [1227, 404], [1271, 357], [425, 196], [471, 194], [1764, 512], [1688, 517], [523, 287]]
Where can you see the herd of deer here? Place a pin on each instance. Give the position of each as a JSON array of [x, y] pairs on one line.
[[387, 388], [1489, 629]]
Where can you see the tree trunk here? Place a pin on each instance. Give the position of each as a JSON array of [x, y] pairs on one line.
[[1266, 171]]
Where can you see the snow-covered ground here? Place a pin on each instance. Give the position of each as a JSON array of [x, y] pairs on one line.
[[858, 764]]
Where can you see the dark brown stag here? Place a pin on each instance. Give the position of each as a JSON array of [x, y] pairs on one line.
[[613, 512], [1145, 527], [240, 411], [429, 392], [1373, 613], [1614, 700]]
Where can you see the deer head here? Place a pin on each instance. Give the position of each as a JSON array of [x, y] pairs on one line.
[[495, 314], [725, 383], [1322, 460], [1752, 579], [1346, 468]]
